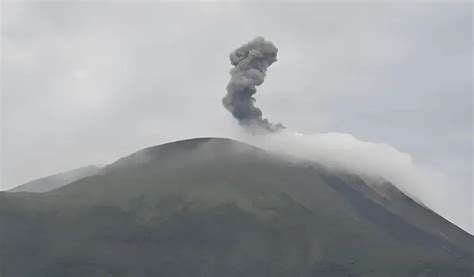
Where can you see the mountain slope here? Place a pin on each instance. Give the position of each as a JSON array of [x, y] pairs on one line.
[[56, 181], [217, 207]]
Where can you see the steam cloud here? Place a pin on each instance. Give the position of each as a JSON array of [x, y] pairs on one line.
[[369, 160], [251, 62]]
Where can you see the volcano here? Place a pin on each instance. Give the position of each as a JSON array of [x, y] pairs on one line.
[[219, 207]]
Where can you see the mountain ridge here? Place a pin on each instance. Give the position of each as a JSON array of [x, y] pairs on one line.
[[55, 181]]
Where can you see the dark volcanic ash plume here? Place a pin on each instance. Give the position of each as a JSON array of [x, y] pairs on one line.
[[251, 62]]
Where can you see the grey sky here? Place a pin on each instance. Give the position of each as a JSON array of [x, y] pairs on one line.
[[86, 83]]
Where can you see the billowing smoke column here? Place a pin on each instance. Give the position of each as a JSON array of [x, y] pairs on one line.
[[251, 62]]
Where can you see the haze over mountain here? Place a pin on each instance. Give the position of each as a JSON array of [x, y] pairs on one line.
[[87, 83], [375, 102], [218, 207]]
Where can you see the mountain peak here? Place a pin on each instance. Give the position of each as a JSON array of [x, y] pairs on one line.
[[199, 148]]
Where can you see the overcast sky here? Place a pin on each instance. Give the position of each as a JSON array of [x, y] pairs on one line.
[[87, 83]]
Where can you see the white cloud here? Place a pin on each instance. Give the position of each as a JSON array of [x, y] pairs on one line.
[[340, 150]]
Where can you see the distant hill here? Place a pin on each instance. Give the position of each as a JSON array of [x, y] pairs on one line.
[[218, 207], [58, 180]]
